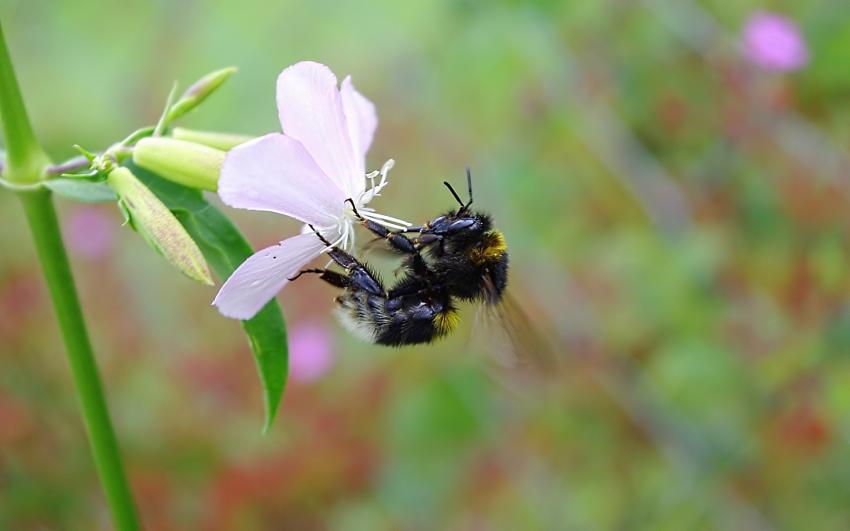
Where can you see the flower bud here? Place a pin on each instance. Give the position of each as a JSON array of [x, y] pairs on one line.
[[223, 141], [198, 92], [183, 162], [157, 225]]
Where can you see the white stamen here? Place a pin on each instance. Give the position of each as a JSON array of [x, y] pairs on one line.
[[332, 245], [385, 169], [375, 189], [345, 224], [385, 223], [371, 214], [343, 234], [371, 176]]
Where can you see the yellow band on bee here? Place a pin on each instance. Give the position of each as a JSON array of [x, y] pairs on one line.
[[446, 321], [493, 246]]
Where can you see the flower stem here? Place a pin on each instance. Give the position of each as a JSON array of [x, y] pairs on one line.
[[25, 160], [57, 272], [25, 165], [69, 166]]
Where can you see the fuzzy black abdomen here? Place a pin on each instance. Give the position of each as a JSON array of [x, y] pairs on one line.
[[396, 321]]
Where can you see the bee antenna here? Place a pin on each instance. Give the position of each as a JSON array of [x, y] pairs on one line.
[[469, 185], [457, 197]]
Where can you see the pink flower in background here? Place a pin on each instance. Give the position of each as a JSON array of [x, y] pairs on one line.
[[774, 42], [90, 232], [310, 353], [306, 173]]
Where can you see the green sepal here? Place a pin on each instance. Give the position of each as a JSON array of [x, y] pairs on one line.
[[148, 216], [222, 141], [186, 163], [84, 152], [125, 214], [198, 92]]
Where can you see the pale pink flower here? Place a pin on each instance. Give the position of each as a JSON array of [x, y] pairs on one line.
[[774, 42], [90, 232], [310, 352], [306, 173]]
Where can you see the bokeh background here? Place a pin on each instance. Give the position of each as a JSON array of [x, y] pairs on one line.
[[672, 177]]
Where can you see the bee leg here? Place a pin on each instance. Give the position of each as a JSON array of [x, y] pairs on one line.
[[331, 277], [397, 240], [350, 201], [339, 256], [359, 276], [429, 238], [319, 235], [414, 263], [305, 271], [401, 243], [343, 259], [418, 266]]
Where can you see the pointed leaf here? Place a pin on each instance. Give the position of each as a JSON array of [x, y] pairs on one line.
[[81, 190], [225, 249]]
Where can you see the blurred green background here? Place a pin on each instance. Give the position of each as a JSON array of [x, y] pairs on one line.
[[677, 218]]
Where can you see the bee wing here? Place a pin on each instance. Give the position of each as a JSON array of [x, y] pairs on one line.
[[377, 247], [518, 351]]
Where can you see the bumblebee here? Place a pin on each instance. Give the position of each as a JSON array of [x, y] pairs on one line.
[[458, 256]]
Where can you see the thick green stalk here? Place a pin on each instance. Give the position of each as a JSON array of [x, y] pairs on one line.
[[57, 272], [25, 160], [25, 165]]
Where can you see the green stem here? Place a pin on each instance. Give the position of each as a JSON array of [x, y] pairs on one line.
[[57, 272], [26, 163], [25, 160]]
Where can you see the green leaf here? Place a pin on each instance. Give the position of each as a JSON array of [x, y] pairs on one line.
[[81, 190], [225, 249]]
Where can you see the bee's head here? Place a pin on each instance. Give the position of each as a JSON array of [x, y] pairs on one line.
[[473, 235], [461, 229]]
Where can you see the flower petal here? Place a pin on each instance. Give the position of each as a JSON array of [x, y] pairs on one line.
[[360, 115], [310, 110], [275, 173], [263, 274]]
